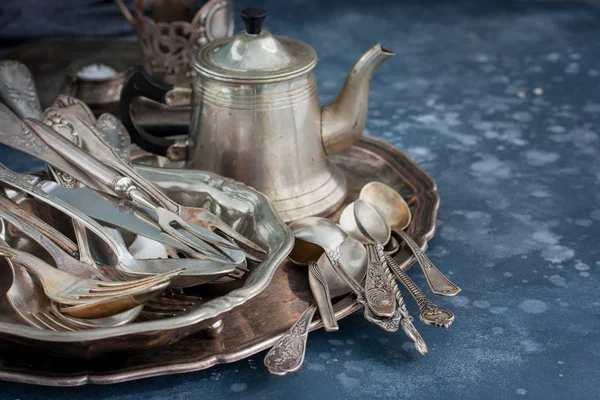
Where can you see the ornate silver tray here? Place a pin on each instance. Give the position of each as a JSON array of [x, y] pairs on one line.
[[238, 205], [259, 322]]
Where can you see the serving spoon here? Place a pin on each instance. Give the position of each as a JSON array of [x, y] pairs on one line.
[[394, 209]]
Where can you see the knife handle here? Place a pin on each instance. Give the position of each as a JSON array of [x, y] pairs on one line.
[[97, 147], [81, 159], [14, 133]]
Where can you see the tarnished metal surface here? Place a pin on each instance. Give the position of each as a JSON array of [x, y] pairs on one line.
[[237, 205], [260, 322]]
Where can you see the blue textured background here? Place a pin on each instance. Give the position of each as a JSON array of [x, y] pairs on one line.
[[500, 102]]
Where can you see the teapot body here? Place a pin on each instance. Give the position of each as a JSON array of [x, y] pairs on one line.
[[267, 135], [256, 117]]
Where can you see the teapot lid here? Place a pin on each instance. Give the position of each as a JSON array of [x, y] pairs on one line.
[[254, 54]]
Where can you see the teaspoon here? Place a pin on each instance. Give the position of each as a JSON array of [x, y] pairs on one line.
[[396, 212], [429, 313], [379, 292]]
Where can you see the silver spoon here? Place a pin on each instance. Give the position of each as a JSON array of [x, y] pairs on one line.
[[396, 212], [429, 313], [401, 317], [320, 291], [288, 353], [315, 236], [379, 291]]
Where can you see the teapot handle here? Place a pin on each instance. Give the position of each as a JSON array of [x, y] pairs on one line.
[[139, 84]]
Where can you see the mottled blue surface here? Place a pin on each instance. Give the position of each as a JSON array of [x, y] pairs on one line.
[[500, 103]]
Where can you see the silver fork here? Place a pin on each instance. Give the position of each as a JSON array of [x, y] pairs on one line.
[[85, 298], [92, 141], [169, 305], [197, 271], [123, 186], [30, 303]]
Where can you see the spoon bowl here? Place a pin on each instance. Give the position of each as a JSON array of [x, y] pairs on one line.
[[348, 222], [396, 213], [389, 203], [354, 258], [320, 232], [370, 222]]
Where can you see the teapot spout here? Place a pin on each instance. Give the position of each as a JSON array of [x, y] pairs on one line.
[[343, 121]]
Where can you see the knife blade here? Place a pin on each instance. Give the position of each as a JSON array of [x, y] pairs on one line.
[[123, 214], [104, 209]]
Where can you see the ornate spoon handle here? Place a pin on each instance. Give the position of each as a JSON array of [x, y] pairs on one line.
[[430, 313], [17, 89], [378, 289], [320, 291], [437, 281], [287, 354], [407, 320], [384, 323]]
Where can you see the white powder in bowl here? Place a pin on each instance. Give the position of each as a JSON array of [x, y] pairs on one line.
[[96, 72]]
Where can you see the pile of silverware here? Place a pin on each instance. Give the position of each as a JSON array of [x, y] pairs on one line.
[[342, 256], [97, 282], [94, 243]]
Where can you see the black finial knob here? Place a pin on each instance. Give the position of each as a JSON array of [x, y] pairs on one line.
[[253, 19]]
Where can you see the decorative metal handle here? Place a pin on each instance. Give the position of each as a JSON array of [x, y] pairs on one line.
[[320, 291], [379, 293], [114, 134], [429, 313], [99, 149], [16, 134], [387, 324], [407, 320], [438, 283], [17, 89], [287, 354], [77, 156], [401, 318]]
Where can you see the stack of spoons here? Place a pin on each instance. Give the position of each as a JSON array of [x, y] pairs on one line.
[[355, 252]]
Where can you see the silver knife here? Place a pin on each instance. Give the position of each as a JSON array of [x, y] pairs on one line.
[[102, 209], [120, 213]]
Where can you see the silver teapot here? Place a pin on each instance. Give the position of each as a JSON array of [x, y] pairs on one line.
[[256, 117]]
